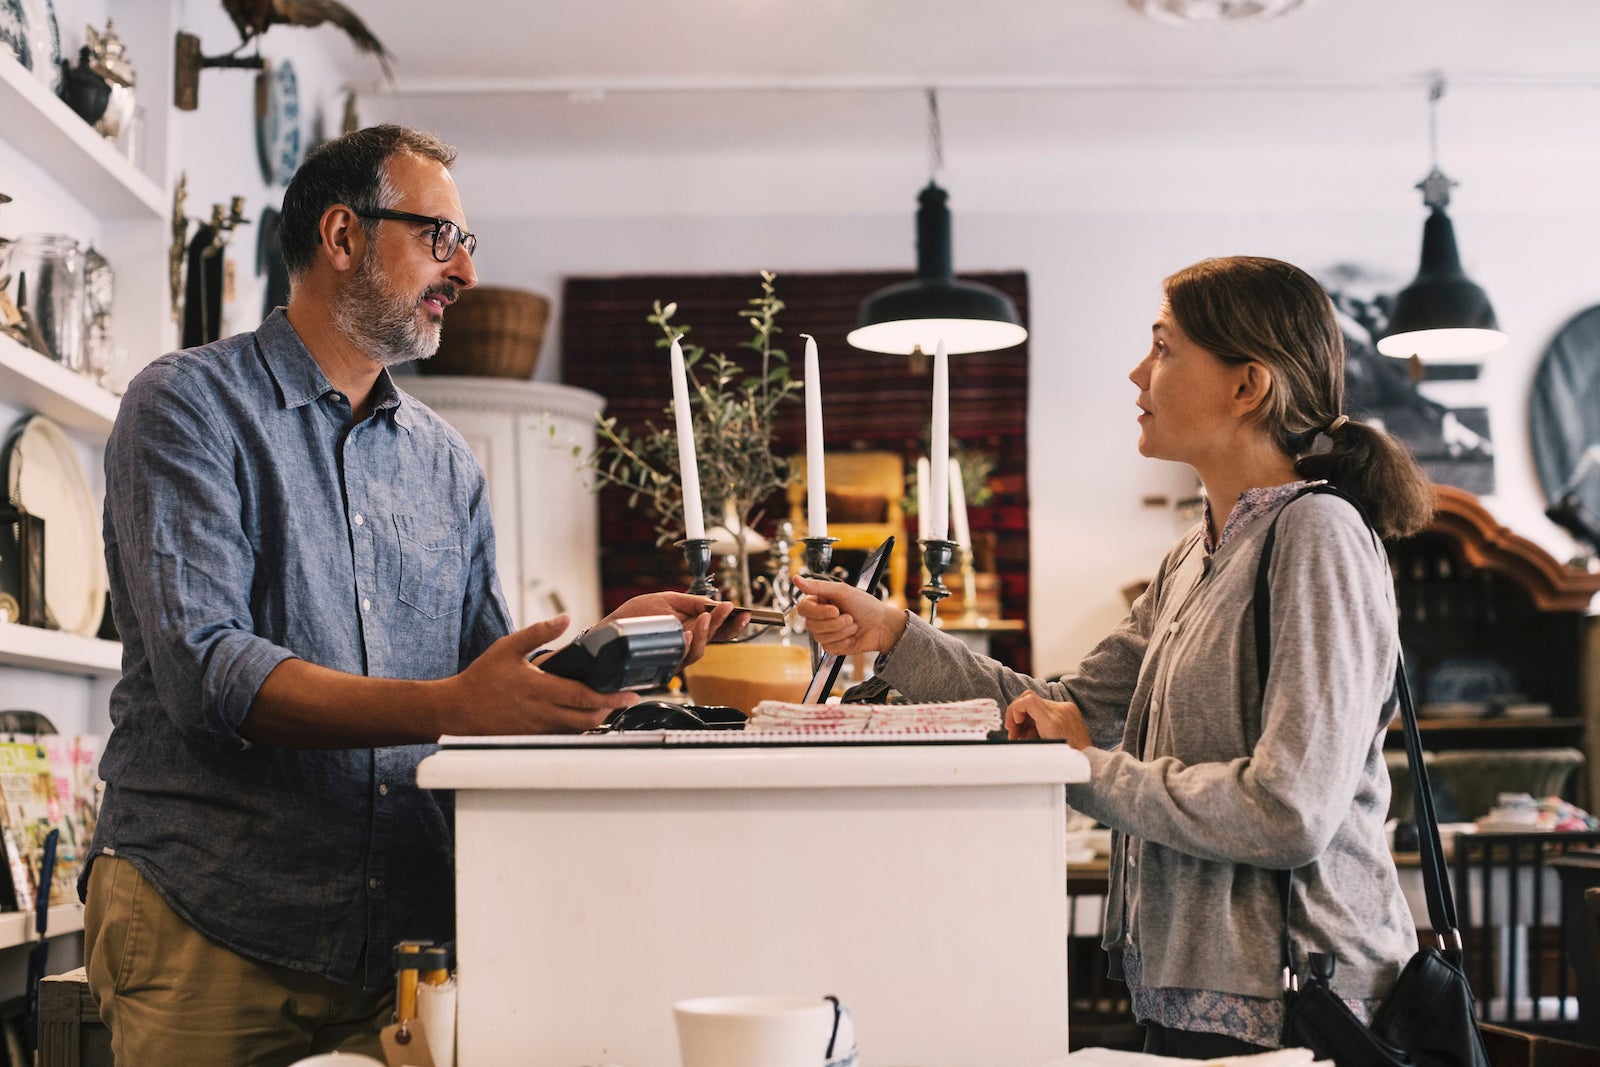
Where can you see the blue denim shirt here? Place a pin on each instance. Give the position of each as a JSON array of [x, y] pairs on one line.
[[247, 522]]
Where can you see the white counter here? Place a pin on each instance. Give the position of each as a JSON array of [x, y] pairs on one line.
[[924, 884]]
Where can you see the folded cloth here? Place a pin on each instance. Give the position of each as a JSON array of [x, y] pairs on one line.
[[975, 717]]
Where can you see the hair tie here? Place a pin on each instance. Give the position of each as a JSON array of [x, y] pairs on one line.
[[1333, 427]]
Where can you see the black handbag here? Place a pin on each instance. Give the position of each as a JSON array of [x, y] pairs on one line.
[[1427, 1019]]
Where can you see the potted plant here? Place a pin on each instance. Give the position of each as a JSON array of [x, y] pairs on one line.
[[734, 401]]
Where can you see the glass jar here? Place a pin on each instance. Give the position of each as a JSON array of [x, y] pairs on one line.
[[47, 284]]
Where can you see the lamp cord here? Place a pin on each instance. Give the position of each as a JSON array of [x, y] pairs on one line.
[[1436, 186], [935, 137], [1435, 91]]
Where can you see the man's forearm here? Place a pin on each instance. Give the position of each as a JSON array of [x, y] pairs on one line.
[[303, 705]]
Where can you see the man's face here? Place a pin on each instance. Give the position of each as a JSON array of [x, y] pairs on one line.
[[393, 304], [388, 322]]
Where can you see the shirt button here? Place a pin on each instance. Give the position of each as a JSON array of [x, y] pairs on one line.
[[336, 396], [366, 605], [1173, 628], [372, 883], [358, 520], [383, 789]]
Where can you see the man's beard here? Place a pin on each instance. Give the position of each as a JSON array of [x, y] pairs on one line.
[[381, 321]]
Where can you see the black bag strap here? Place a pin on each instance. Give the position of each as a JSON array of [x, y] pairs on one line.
[[1441, 904]]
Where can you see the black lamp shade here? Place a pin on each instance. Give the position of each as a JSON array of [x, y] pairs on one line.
[[1442, 314], [916, 315]]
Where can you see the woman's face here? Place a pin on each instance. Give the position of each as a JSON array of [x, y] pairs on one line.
[[1187, 410]]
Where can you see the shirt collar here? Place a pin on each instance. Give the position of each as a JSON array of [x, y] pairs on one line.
[[1252, 503], [300, 379]]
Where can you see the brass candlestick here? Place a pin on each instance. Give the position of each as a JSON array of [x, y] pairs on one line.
[[969, 591]]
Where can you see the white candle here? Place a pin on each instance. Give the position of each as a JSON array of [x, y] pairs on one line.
[[816, 482], [694, 522], [958, 504], [922, 498], [939, 446]]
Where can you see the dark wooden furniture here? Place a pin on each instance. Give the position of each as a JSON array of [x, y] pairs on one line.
[[1580, 899], [1468, 589], [1099, 1008], [1513, 916], [1515, 1048]]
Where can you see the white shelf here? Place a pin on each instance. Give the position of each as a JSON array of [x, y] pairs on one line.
[[51, 650], [38, 383], [16, 927], [82, 162]]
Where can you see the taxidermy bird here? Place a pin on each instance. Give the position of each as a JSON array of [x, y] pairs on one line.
[[254, 17]]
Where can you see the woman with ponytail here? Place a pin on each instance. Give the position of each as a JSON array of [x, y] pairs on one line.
[[1211, 781]]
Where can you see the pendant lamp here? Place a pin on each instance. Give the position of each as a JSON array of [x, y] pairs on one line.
[[915, 316], [1442, 314]]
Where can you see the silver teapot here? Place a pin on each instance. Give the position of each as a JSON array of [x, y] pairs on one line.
[[107, 56]]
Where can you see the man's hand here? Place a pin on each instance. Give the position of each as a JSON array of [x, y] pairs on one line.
[[847, 620], [500, 692], [1031, 715], [700, 616]]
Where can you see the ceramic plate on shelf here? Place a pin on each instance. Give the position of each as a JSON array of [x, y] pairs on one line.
[[44, 477], [1468, 679], [14, 32], [44, 40]]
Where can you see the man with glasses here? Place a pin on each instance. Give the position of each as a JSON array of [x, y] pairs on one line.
[[302, 570]]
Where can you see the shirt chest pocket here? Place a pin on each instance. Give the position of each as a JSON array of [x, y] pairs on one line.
[[433, 565]]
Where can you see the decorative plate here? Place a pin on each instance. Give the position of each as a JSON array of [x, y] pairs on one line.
[[278, 122], [45, 478], [1564, 410], [43, 41], [1468, 680], [14, 32]]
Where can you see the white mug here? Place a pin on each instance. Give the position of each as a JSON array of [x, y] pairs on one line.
[[765, 1031]]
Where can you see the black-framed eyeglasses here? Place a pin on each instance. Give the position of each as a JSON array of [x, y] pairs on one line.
[[447, 236]]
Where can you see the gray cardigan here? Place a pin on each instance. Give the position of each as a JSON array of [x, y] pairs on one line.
[[1210, 786]]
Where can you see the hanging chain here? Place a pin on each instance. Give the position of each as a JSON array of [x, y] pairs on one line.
[[935, 137], [1435, 91], [1435, 187]]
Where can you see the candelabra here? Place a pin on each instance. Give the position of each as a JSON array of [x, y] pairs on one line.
[[937, 555]]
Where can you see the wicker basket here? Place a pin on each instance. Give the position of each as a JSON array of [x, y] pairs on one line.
[[493, 333]]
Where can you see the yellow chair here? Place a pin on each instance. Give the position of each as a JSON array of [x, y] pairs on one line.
[[864, 492]]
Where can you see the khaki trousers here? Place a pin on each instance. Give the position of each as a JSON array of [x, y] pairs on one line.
[[170, 996]]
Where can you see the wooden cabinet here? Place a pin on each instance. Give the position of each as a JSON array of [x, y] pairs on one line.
[[531, 439], [1484, 609]]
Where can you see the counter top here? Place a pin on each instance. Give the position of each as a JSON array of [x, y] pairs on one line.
[[765, 766]]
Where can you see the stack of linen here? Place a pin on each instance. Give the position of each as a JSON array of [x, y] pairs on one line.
[[962, 718]]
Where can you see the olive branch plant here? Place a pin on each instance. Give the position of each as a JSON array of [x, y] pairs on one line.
[[733, 408]]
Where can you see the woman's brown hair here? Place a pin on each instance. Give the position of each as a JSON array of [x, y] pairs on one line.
[[1246, 309]]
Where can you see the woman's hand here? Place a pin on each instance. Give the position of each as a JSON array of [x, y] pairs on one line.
[[1031, 715], [846, 620], [700, 616]]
